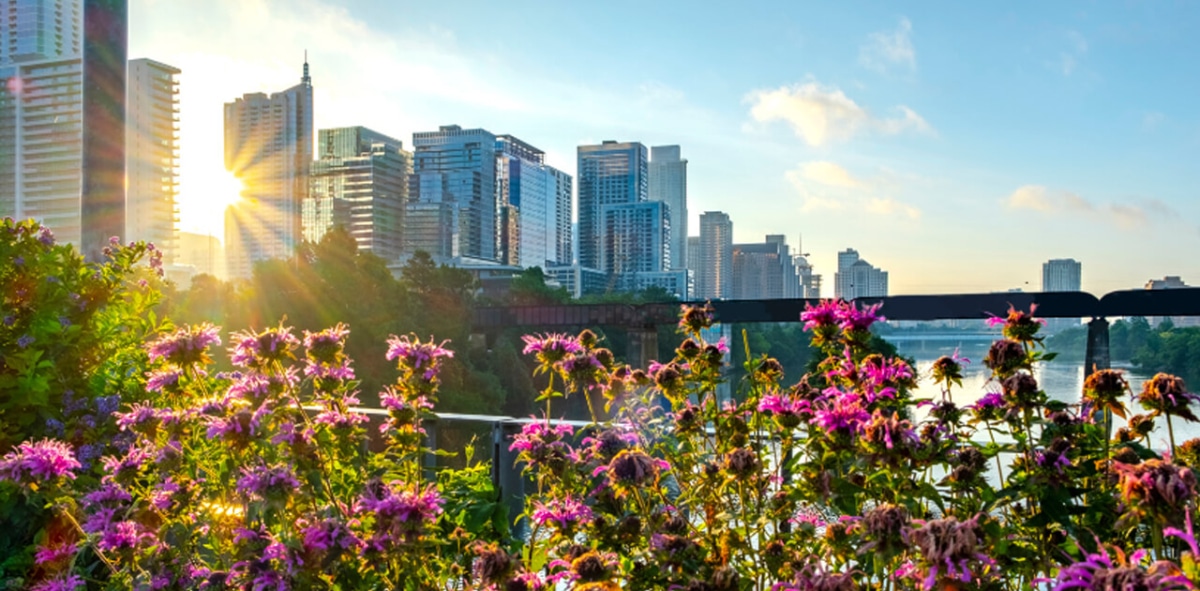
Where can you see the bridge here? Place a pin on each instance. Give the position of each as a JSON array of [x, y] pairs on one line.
[[642, 321]]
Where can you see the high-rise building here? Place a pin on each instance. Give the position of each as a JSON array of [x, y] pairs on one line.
[[714, 274], [451, 209], [610, 173], [360, 183], [636, 240], [1171, 282], [269, 148], [62, 113], [534, 201], [152, 155], [856, 278], [763, 271], [204, 253], [693, 255], [1061, 275], [668, 184], [810, 283]]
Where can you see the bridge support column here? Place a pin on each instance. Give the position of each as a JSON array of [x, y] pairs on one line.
[[643, 345], [1097, 356]]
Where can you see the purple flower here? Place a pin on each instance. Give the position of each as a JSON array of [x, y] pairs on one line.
[[24, 341], [107, 405], [854, 320], [63, 583], [841, 414], [824, 315], [186, 346], [327, 536], [542, 445], [164, 494], [167, 379], [326, 344], [271, 483], [255, 387], [551, 348], [418, 358], [788, 411], [951, 550], [124, 468], [337, 419], [562, 513], [259, 350], [54, 554], [124, 535], [110, 494], [45, 236], [36, 463], [143, 418], [239, 427], [293, 435], [401, 514], [1096, 572]]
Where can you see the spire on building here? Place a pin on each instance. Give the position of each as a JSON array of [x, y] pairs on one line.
[[306, 80]]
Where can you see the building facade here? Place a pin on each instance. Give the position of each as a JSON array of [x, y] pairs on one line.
[[1062, 275], [611, 173], [269, 148], [534, 201], [359, 182], [856, 278], [762, 271], [714, 273], [668, 184], [62, 113], [451, 208], [636, 239], [152, 155]]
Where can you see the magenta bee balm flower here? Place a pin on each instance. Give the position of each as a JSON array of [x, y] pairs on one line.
[[36, 463]]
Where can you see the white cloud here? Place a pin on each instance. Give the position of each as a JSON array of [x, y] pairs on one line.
[[821, 114], [1068, 60], [830, 174], [824, 185], [884, 49], [1065, 203]]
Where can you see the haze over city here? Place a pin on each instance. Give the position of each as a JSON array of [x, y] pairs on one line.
[[956, 147]]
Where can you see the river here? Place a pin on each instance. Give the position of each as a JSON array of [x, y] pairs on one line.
[[1061, 379]]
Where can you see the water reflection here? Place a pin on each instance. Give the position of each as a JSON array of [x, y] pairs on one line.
[[1061, 379]]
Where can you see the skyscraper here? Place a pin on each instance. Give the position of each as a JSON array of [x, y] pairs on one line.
[[763, 271], [359, 182], [856, 278], [636, 240], [1061, 275], [62, 109], [452, 199], [152, 155], [610, 173], [269, 148], [668, 184], [534, 200], [714, 275]]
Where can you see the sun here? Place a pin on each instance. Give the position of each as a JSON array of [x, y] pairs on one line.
[[202, 202]]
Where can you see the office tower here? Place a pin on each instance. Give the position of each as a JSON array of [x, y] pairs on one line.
[[763, 271], [534, 201], [636, 239], [360, 183], [856, 278], [451, 208], [668, 184], [269, 148], [810, 283], [610, 173], [152, 155], [693, 255], [1171, 282], [62, 110], [1061, 275], [713, 277]]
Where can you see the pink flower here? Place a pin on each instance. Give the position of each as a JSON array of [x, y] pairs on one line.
[[259, 350], [551, 347], [563, 513], [48, 459], [419, 358], [186, 346], [825, 314]]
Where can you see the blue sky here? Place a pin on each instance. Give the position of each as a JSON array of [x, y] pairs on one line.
[[956, 146]]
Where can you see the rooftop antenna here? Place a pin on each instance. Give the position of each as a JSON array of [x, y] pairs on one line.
[[306, 79]]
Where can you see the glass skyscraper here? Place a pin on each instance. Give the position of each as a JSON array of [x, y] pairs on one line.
[[359, 182], [152, 155], [269, 147], [609, 174], [62, 112], [535, 204], [714, 273], [451, 211], [668, 184]]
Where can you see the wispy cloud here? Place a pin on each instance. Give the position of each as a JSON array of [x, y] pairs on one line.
[[1151, 120], [824, 185], [889, 48], [820, 114], [1066, 203], [1068, 59]]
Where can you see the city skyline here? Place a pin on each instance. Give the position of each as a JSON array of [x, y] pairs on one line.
[[892, 132]]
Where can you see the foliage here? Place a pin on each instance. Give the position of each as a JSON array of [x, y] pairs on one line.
[[69, 350]]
